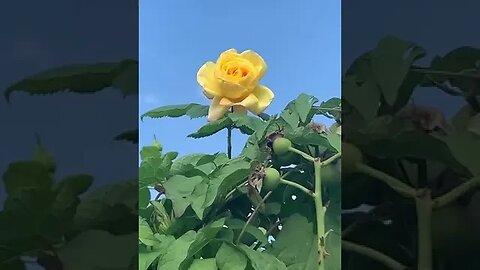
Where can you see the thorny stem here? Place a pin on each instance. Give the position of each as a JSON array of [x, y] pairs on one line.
[[423, 205], [320, 213], [298, 186], [252, 216], [320, 209], [374, 254]]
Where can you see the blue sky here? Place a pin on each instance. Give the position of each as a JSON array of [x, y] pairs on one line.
[[299, 40]]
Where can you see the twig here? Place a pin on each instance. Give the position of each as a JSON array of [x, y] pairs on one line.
[[455, 193], [373, 254], [331, 159], [251, 216], [301, 153], [298, 186], [445, 73], [445, 88], [229, 138], [391, 181]]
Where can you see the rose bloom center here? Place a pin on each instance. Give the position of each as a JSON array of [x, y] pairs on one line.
[[235, 70]]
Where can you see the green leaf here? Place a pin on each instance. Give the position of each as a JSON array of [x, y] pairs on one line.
[[127, 79], [463, 58], [129, 136], [330, 108], [203, 237], [179, 189], [97, 249], [306, 136], [177, 251], [390, 61], [107, 206], [154, 167], [204, 264], [212, 128], [465, 147], [41, 155], [144, 197], [26, 174], [147, 256], [461, 119], [193, 110], [150, 152], [252, 151], [226, 178], [230, 258], [363, 95], [262, 260], [458, 62], [66, 199], [388, 137], [77, 184], [184, 165], [75, 78], [335, 140], [291, 117], [296, 244], [246, 123], [145, 233], [237, 225], [303, 106]]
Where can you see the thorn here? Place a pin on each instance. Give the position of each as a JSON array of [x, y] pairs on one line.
[[325, 253]]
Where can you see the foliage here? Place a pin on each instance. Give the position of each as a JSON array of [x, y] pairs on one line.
[[62, 223], [211, 212], [416, 162]]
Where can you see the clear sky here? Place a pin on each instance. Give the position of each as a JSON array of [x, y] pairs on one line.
[[299, 40]]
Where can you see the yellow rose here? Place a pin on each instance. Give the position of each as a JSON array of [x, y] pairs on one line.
[[233, 82]]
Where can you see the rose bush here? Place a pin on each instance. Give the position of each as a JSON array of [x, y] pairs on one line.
[[250, 211]]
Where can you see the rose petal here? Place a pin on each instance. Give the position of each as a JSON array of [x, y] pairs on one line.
[[250, 102], [257, 61], [225, 102], [262, 97], [216, 110], [206, 79], [227, 54]]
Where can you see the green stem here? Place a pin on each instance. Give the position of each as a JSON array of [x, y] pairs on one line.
[[331, 159], [251, 217], [301, 153], [391, 181], [445, 73], [229, 142], [320, 213], [230, 193], [373, 254], [424, 227], [455, 193], [229, 139], [298, 186]]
